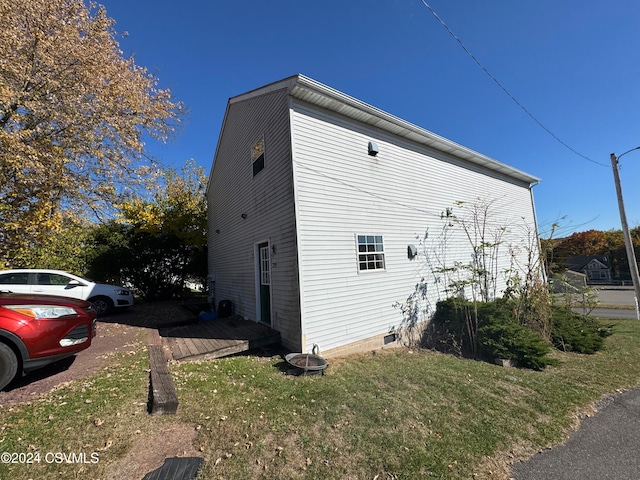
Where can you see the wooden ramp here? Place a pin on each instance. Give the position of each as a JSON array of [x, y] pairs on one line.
[[217, 338]]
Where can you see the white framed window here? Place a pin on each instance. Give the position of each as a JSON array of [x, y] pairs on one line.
[[370, 252], [265, 266], [257, 156]]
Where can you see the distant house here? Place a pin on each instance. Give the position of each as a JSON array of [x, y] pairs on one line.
[[315, 201], [595, 267]]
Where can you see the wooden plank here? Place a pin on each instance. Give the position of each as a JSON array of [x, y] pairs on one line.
[[264, 340], [217, 344], [176, 350], [183, 348], [200, 345], [164, 399], [189, 345], [215, 329], [230, 349], [208, 344], [238, 347]]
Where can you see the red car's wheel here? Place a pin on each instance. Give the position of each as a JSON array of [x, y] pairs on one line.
[[8, 365]]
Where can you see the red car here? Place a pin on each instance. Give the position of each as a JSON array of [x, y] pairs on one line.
[[36, 330]]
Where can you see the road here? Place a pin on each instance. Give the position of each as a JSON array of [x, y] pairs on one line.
[[604, 448], [611, 313], [622, 298]]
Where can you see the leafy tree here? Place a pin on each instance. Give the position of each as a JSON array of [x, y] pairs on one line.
[[157, 264], [591, 242], [617, 254], [158, 243], [109, 252], [73, 114], [177, 205], [66, 247]]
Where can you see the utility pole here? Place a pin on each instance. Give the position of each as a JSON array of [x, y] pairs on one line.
[[633, 265]]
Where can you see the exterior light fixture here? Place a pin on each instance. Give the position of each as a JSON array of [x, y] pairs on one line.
[[373, 149]]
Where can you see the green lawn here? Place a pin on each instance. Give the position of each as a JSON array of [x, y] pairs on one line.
[[395, 414]]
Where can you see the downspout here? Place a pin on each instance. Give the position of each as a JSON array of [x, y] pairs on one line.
[[535, 223]]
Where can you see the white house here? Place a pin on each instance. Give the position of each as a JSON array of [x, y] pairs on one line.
[[317, 203]]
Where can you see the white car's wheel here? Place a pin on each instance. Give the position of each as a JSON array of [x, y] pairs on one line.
[[103, 305]]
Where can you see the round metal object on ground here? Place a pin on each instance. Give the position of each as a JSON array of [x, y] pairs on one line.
[[308, 362]]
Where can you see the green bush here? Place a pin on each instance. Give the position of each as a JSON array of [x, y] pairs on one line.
[[446, 330], [449, 314], [499, 335], [509, 340], [572, 332]]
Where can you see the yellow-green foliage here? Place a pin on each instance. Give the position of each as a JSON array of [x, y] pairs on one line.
[[73, 116]]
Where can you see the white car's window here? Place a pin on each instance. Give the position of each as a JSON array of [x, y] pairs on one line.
[[52, 279], [14, 279]]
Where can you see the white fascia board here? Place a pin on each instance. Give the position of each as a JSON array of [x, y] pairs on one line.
[[272, 87], [215, 154]]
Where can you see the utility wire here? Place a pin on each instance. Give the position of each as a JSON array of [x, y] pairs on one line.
[[504, 88]]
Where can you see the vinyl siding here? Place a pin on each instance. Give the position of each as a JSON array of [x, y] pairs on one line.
[[402, 193], [267, 201]]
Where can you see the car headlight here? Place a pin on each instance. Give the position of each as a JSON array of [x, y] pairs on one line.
[[43, 311]]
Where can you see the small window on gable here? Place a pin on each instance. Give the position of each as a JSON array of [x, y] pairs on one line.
[[370, 252], [257, 156]]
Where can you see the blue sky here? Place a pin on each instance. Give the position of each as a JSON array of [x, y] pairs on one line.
[[573, 64]]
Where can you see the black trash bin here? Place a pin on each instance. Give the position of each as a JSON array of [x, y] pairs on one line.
[[225, 309]]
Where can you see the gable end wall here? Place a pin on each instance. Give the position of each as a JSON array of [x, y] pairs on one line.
[[267, 202]]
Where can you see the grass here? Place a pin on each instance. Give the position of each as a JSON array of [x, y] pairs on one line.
[[95, 415], [396, 414]]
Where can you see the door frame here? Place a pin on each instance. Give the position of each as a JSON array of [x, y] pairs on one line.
[[258, 282]]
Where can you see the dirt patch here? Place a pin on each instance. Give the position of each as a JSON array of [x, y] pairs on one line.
[[152, 448]]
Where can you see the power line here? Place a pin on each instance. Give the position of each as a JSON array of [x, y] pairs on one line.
[[504, 89]]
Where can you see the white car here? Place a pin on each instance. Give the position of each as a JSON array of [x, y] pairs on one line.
[[55, 282]]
